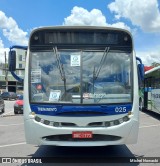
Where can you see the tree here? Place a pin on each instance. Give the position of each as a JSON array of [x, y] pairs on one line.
[[155, 64]]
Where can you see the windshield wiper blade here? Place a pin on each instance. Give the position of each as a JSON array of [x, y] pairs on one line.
[[60, 67], [96, 73]]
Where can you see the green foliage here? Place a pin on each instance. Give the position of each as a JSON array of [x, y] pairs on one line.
[[155, 64]]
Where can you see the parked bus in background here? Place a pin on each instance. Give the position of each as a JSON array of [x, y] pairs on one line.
[[152, 90], [80, 87]]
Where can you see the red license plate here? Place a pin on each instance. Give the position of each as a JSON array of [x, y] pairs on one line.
[[82, 134]]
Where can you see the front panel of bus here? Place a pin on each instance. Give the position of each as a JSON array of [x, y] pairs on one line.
[[80, 87]]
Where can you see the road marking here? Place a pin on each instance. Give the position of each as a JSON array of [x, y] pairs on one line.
[[6, 113], [22, 143], [11, 125], [149, 126]]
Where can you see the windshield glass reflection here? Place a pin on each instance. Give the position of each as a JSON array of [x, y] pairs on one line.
[[82, 77]]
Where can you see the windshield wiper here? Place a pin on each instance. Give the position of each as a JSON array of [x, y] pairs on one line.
[[60, 67], [96, 72]]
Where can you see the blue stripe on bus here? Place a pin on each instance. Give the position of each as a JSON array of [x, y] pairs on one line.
[[101, 110]]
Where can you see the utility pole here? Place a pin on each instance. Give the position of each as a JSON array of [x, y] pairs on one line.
[[6, 72]]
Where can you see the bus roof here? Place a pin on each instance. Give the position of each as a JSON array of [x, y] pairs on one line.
[[81, 27], [152, 70], [80, 36]]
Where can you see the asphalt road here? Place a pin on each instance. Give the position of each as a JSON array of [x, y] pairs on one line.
[[12, 144]]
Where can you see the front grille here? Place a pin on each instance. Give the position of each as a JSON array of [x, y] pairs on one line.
[[68, 137]]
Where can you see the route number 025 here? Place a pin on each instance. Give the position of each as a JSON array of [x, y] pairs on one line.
[[120, 109]]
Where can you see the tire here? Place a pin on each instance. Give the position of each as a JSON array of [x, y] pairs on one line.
[[15, 112], [3, 110]]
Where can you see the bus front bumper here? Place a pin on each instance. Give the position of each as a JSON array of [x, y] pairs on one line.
[[40, 134]]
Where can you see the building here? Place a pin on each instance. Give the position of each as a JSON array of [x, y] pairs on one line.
[[7, 81]]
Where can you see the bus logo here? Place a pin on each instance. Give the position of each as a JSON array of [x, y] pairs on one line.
[[47, 109]]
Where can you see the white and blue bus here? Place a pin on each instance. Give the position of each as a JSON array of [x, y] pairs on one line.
[[152, 90], [80, 87]]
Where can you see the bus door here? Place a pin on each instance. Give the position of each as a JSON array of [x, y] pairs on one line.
[[147, 93]]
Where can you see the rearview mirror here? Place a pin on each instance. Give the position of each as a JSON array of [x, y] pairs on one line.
[[141, 71], [12, 60]]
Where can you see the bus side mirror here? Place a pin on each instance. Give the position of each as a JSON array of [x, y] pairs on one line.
[[140, 67], [141, 71], [12, 60]]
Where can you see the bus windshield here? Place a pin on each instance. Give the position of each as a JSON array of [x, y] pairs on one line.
[[80, 76]]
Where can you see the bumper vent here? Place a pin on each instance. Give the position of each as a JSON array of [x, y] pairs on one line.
[[68, 137]]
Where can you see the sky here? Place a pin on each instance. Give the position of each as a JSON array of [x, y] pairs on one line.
[[141, 17]]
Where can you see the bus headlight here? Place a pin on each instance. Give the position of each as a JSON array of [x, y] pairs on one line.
[[116, 122], [121, 120], [107, 124], [38, 119], [100, 124], [46, 122], [125, 119]]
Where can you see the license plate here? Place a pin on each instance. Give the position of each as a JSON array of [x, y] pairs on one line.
[[82, 134]]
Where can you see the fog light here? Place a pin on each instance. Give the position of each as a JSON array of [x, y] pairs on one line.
[[38, 119]]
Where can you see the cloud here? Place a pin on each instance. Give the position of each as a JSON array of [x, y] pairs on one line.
[[81, 16], [1, 43], [11, 30], [2, 51], [142, 13], [148, 57]]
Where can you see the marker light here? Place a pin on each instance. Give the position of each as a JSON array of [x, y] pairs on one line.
[[35, 37], [129, 113], [33, 113]]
